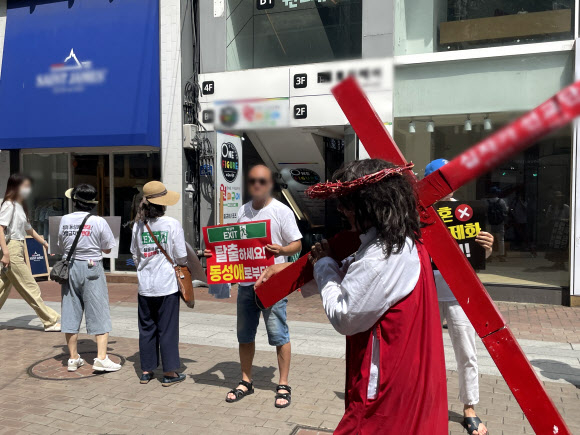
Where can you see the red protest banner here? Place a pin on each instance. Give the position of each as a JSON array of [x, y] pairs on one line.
[[238, 251]]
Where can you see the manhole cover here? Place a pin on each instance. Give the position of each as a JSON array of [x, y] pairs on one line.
[[305, 430], [55, 368]]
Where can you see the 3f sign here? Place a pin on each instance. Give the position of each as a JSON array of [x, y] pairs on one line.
[[264, 4]]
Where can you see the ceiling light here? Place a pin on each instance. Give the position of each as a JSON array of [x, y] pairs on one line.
[[430, 126], [412, 127], [487, 125], [467, 124]]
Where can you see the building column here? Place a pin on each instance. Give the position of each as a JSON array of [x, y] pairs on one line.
[[575, 202], [171, 110]]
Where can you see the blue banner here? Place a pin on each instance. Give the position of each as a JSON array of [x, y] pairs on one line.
[[80, 74], [36, 257]]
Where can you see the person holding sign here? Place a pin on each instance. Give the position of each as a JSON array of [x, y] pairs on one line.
[[286, 241], [159, 295], [383, 300], [14, 226], [86, 289], [461, 332]]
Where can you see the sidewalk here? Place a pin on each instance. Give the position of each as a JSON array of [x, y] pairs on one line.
[[116, 403]]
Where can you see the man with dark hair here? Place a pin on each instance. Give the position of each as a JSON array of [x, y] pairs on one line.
[[285, 242]]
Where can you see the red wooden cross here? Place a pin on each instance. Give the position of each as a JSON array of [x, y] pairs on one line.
[[444, 250]]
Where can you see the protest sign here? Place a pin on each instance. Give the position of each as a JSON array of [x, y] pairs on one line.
[[238, 251], [465, 219]]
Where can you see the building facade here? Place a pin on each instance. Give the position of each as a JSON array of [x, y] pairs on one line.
[[461, 71], [91, 92]]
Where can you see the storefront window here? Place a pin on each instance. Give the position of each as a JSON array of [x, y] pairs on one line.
[[425, 26], [527, 199], [50, 175], [131, 172], [288, 32]]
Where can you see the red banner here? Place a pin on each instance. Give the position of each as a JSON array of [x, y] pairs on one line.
[[238, 251]]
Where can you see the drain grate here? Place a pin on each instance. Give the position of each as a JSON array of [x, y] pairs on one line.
[[307, 430]]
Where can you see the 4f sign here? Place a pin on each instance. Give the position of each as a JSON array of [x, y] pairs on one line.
[[208, 87], [264, 4]]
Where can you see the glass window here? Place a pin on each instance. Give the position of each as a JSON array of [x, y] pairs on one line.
[[291, 32], [532, 190], [425, 26], [132, 171], [50, 175]]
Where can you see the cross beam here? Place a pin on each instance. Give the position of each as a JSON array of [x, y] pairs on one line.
[[444, 250]]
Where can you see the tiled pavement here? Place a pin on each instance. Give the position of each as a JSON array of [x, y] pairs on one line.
[[117, 403]]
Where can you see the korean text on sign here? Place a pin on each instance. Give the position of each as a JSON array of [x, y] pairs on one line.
[[239, 251]]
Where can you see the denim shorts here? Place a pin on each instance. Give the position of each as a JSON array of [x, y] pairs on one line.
[[86, 291], [249, 318]]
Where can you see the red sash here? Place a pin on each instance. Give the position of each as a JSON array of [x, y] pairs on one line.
[[412, 392]]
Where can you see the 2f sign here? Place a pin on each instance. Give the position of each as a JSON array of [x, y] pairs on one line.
[[264, 4], [208, 88], [300, 111]]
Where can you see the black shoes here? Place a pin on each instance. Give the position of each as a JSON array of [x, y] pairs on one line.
[[146, 377], [168, 381]]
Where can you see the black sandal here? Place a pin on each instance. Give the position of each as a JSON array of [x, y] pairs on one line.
[[471, 424], [286, 396], [239, 393]]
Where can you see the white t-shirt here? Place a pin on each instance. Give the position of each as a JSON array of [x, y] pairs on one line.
[[156, 275], [283, 225], [19, 224], [356, 294], [95, 237]]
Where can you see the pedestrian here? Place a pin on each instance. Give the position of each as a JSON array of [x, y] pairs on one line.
[[286, 241], [497, 211], [158, 289], [383, 300], [14, 226], [86, 290], [461, 332]]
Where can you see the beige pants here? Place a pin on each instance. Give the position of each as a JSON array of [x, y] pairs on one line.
[[18, 274]]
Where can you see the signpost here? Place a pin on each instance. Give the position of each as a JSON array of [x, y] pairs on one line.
[[238, 251]]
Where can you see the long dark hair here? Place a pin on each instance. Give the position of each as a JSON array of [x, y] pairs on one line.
[[151, 211], [389, 205], [12, 188]]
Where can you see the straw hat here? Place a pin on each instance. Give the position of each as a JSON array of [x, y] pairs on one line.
[[69, 194], [156, 193]]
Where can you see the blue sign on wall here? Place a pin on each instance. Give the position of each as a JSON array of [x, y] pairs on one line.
[[80, 74]]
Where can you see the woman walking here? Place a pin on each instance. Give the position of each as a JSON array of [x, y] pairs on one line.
[[154, 233], [14, 226], [86, 289]]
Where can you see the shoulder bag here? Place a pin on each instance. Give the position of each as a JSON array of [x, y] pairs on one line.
[[182, 273], [60, 271]]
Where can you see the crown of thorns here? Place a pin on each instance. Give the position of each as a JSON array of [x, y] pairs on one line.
[[338, 188]]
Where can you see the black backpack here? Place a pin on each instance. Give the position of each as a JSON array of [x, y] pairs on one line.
[[495, 212]]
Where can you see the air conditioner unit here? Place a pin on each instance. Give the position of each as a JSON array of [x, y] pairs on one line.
[[190, 138]]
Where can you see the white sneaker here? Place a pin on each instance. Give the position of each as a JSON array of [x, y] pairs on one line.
[[105, 365], [53, 328], [74, 364]]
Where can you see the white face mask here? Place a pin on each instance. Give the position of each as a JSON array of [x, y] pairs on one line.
[[25, 192]]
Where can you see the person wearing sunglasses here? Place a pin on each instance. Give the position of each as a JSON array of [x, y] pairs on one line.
[[286, 241]]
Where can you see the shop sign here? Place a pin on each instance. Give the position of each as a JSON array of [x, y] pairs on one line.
[[228, 176], [238, 251], [465, 220], [305, 176]]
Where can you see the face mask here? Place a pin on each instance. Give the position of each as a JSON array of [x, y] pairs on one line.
[[25, 192]]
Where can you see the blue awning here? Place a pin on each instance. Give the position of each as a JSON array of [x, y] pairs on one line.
[[80, 73]]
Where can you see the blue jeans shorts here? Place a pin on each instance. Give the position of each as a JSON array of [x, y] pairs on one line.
[[85, 292], [249, 318]]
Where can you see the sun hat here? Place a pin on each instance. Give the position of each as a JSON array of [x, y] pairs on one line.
[[435, 165], [156, 193], [69, 194]]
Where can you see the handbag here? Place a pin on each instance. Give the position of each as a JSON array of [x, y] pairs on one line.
[[182, 273], [60, 271]]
